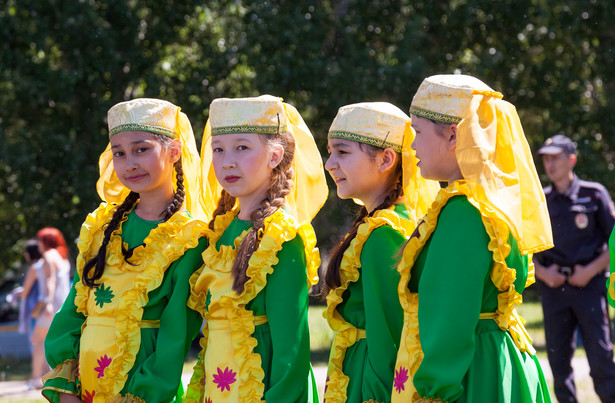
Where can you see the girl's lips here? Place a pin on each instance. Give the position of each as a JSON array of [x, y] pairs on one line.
[[135, 178], [231, 179]]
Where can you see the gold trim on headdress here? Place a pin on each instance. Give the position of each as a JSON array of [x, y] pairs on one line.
[[158, 117], [493, 154], [383, 125], [267, 114]]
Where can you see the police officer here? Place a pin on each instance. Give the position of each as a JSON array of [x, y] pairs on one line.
[[572, 274]]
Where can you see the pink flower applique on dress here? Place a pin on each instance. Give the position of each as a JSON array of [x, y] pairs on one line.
[[401, 376], [103, 363], [88, 397], [225, 379]]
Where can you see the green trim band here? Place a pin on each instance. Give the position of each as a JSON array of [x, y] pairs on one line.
[[431, 115], [360, 138], [215, 131], [138, 127]]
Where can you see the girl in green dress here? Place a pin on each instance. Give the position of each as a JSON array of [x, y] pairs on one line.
[[261, 257], [124, 329], [465, 266], [370, 161]]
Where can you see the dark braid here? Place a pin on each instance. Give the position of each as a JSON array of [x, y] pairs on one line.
[[98, 262], [394, 192], [281, 183], [225, 204], [179, 195]]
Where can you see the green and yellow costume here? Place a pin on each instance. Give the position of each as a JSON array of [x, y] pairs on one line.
[[364, 311], [464, 268], [256, 343], [126, 339]]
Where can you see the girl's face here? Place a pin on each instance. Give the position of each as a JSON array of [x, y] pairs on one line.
[[355, 172], [243, 163], [143, 164], [435, 149]]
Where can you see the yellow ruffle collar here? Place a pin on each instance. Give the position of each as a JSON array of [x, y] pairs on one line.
[[345, 332], [279, 228], [164, 244]]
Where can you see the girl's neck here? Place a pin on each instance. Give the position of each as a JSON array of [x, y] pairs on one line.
[[248, 204], [152, 207]]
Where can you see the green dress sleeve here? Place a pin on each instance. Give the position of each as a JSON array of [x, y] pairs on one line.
[[455, 271], [384, 315], [156, 378], [286, 302], [610, 283], [62, 349]]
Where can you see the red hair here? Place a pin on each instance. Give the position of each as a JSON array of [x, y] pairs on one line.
[[51, 238]]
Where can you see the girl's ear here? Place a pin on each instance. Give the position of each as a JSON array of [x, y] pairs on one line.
[[451, 133], [276, 153], [175, 150], [387, 159]]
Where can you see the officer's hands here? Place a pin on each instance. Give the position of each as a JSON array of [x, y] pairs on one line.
[[581, 276], [552, 277]]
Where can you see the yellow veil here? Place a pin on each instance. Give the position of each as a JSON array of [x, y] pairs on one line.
[[382, 125], [492, 152], [267, 114], [159, 117]]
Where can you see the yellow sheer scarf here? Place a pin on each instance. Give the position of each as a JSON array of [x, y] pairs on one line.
[[111, 190], [496, 161], [310, 190]]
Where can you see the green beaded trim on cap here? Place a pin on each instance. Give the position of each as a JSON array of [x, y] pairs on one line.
[[439, 117], [137, 127], [247, 129], [372, 141]]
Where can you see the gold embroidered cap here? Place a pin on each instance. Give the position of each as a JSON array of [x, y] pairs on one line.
[[492, 153], [259, 115], [446, 97], [158, 117], [267, 114], [379, 124], [145, 115]]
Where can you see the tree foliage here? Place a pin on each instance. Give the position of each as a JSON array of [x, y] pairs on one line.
[[64, 63]]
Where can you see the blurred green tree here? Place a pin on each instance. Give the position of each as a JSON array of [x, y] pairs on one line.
[[64, 63]]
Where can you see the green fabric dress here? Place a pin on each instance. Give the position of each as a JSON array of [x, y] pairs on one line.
[[282, 343], [155, 375], [610, 282], [467, 359], [371, 303]]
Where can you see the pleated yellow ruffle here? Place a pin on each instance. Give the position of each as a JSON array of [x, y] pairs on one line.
[[503, 277], [345, 333], [164, 244], [279, 228]]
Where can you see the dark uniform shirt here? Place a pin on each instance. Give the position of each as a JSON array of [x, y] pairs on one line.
[[582, 221]]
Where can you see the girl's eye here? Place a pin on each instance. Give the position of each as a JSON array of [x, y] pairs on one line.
[[142, 149], [242, 147], [117, 154], [217, 150]]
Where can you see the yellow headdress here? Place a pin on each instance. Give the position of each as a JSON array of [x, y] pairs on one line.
[[158, 117], [383, 125], [267, 114], [492, 152]]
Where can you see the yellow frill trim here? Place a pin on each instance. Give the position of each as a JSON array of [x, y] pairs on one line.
[[165, 244], [69, 370], [502, 276], [279, 228], [345, 333]]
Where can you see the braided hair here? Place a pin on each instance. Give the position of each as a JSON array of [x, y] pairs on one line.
[[94, 268], [280, 185], [394, 192]]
